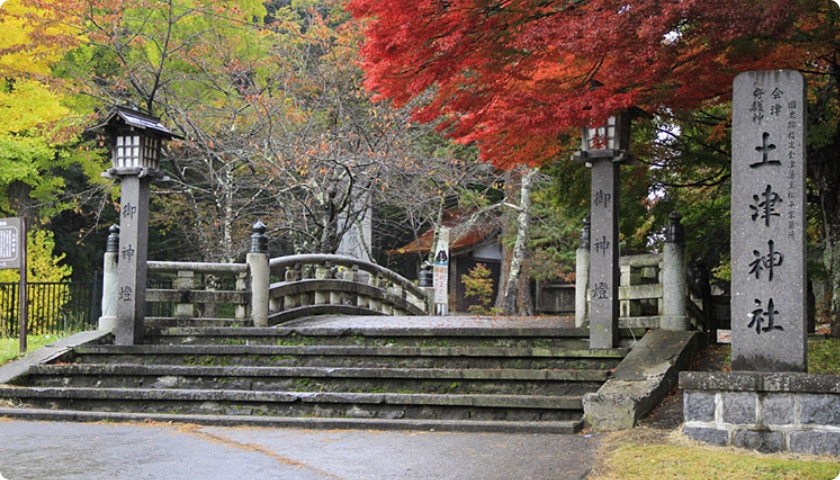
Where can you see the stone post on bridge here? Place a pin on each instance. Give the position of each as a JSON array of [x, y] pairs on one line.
[[674, 277], [582, 276], [257, 260], [108, 319]]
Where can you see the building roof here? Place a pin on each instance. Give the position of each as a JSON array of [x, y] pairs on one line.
[[466, 233]]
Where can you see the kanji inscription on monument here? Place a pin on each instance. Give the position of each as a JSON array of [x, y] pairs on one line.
[[769, 325]]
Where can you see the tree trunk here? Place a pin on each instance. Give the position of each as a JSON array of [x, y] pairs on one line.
[[830, 210], [228, 222], [519, 253], [832, 263], [824, 172]]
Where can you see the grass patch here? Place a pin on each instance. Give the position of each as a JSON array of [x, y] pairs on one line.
[[652, 454], [296, 340], [645, 453], [206, 361], [10, 347], [824, 357]]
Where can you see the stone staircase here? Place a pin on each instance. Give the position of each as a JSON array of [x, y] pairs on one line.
[[408, 378]]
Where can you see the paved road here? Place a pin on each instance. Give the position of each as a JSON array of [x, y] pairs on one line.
[[53, 450]]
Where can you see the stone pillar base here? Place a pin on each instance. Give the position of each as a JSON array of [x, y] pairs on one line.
[[108, 324]]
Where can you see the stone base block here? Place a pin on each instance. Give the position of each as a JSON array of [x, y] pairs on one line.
[[815, 443], [764, 441], [766, 412], [711, 436]]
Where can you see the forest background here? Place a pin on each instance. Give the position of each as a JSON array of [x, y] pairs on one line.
[[309, 115]]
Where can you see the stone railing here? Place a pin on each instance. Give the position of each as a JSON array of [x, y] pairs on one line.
[[310, 285], [203, 290], [655, 289]]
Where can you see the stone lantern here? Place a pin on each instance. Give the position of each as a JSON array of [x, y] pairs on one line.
[[612, 139], [136, 141]]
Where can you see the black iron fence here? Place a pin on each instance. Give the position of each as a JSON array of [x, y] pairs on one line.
[[53, 307]]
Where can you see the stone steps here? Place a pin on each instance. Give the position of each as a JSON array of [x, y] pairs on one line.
[[308, 422], [410, 406], [322, 379], [420, 337], [465, 379], [350, 356]]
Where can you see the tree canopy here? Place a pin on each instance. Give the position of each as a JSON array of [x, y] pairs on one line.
[[276, 123], [516, 79], [279, 124], [514, 75]]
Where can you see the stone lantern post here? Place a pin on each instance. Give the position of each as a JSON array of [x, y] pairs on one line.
[[136, 141], [603, 149]]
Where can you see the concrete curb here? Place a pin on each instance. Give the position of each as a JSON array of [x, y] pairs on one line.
[[642, 380]]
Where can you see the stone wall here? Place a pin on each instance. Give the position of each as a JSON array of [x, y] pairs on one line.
[[768, 412]]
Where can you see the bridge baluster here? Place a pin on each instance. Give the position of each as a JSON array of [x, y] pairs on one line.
[[184, 283], [359, 299], [336, 297], [322, 272], [292, 274], [211, 284], [275, 304], [308, 273], [375, 303], [241, 311], [348, 274], [339, 297]]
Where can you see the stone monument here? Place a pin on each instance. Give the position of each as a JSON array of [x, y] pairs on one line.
[[769, 289], [766, 403], [356, 240]]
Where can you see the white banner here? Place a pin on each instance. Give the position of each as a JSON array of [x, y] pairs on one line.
[[441, 272]]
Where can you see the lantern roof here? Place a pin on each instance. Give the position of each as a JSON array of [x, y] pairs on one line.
[[133, 118]]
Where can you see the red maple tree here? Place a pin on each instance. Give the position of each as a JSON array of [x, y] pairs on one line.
[[514, 76]]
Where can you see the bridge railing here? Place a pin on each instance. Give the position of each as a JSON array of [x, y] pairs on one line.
[[316, 283], [656, 290], [304, 285], [200, 290], [642, 292]]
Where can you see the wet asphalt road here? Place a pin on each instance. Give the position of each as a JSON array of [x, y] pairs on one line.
[[54, 450]]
